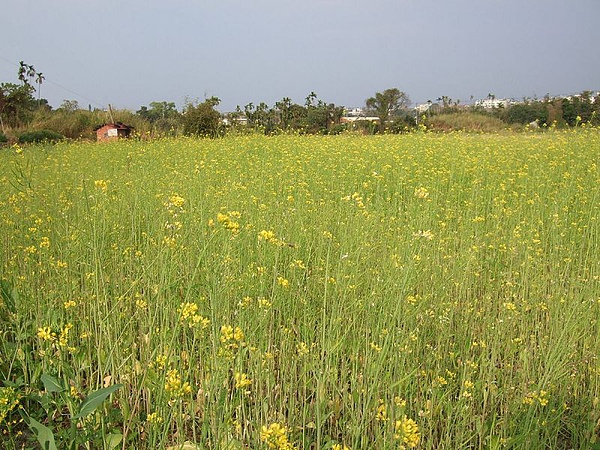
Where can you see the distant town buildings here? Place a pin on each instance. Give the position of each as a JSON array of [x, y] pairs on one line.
[[492, 102]]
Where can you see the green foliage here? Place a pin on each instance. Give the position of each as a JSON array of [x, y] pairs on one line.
[[40, 136], [444, 278], [44, 435], [581, 109], [524, 113], [56, 397], [202, 119], [387, 105], [16, 103], [3, 138], [163, 116], [465, 121], [94, 400]]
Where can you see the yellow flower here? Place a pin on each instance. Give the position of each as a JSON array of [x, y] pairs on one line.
[[176, 200], [421, 192], [231, 339], [381, 413], [241, 380], [407, 432], [64, 335], [140, 302], [9, 398], [269, 236], [154, 418], [275, 436], [283, 282], [340, 447], [227, 222], [46, 334], [159, 362], [189, 316], [175, 386], [69, 304], [101, 185], [302, 349]]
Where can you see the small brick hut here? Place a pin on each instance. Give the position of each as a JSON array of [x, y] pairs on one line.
[[110, 131]]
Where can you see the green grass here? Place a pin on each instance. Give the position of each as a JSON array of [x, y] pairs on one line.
[[451, 280]]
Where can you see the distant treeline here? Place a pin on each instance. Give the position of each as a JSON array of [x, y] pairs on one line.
[[387, 112]]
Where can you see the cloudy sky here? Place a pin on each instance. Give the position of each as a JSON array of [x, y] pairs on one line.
[[131, 52]]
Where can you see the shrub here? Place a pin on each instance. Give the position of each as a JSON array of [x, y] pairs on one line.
[[202, 119], [465, 121], [3, 138], [40, 136]]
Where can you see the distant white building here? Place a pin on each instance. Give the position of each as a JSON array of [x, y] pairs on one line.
[[354, 112], [491, 103], [423, 107]]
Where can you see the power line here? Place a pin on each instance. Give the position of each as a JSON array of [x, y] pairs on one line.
[[92, 101]]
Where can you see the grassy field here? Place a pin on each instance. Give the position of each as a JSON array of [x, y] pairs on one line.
[[386, 292]]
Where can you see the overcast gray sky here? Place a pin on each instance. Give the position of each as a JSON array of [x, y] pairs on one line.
[[132, 52]]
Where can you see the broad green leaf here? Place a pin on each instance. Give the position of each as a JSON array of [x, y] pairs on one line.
[[113, 440], [95, 399], [43, 434], [51, 384]]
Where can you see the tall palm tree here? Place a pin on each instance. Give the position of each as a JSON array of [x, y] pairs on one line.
[[39, 80]]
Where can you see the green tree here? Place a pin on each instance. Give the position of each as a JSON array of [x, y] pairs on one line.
[[69, 106], [320, 115], [202, 119], [387, 105], [158, 110], [525, 113], [283, 109], [16, 103], [260, 117], [39, 79]]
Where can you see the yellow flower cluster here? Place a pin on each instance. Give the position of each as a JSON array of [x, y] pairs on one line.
[[101, 185], [302, 349], [174, 386], [188, 314], [421, 192], [407, 432], [174, 204], [275, 436], [381, 413], [270, 237], [228, 222], [58, 340], [540, 397], [340, 447], [63, 339], [140, 301], [231, 338], [70, 304], [46, 334], [241, 380], [9, 398], [154, 418]]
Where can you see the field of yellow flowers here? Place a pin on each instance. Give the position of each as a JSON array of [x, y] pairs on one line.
[[302, 292]]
